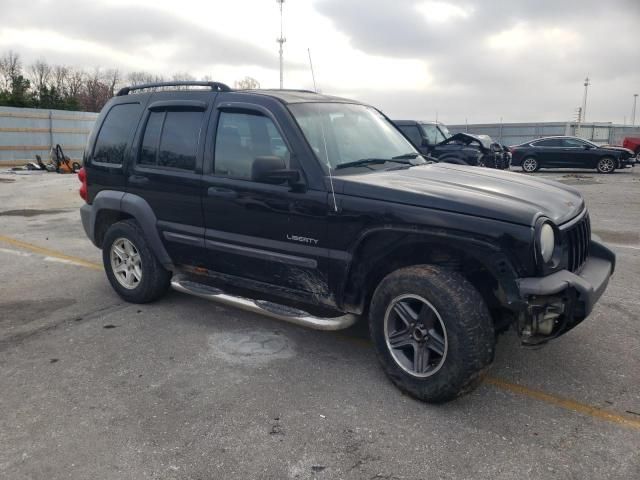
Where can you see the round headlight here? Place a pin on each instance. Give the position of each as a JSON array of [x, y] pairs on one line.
[[547, 242]]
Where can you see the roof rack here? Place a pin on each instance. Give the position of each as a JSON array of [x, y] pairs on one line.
[[215, 86]]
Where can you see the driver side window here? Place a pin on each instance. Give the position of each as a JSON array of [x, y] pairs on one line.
[[241, 138]]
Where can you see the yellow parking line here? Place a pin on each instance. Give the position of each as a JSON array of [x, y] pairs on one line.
[[50, 253], [561, 402], [565, 403]]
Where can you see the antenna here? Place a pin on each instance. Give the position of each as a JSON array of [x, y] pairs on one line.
[[281, 40], [315, 89]]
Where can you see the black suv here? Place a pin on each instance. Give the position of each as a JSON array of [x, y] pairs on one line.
[[317, 210], [435, 140]]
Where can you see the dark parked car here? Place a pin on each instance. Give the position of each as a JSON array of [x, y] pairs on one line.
[[435, 140], [569, 152], [316, 210]]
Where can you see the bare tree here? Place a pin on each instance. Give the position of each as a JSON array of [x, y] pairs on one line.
[[40, 74], [60, 78], [112, 79], [247, 83], [75, 82], [10, 69], [138, 78]]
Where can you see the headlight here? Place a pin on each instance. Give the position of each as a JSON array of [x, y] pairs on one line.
[[547, 242]]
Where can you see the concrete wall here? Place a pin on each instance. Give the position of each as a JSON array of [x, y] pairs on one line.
[[516, 133], [25, 132]]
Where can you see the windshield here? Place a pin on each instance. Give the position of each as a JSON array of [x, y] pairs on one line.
[[435, 133], [344, 133], [445, 131]]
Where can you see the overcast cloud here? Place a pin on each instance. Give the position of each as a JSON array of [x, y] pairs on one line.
[[479, 60]]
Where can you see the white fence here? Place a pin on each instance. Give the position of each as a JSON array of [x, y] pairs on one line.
[[27, 132], [516, 133]]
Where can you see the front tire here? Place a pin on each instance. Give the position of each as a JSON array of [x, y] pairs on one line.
[[606, 165], [530, 165], [432, 332], [131, 266]]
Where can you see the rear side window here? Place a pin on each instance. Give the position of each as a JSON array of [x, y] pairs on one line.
[[550, 142], [413, 133], [171, 139], [115, 132]]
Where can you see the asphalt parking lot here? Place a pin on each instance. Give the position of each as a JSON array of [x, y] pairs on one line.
[[92, 387]]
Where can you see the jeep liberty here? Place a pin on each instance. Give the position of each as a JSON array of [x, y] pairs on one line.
[[318, 211]]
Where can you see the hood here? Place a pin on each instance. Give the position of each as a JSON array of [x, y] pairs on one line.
[[506, 196], [617, 149], [484, 140]]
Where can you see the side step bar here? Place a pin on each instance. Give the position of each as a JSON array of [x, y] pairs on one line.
[[263, 307]]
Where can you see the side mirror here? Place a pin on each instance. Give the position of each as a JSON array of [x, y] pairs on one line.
[[587, 147], [272, 170], [425, 142]]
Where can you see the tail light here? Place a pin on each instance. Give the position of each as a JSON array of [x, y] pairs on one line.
[[82, 176]]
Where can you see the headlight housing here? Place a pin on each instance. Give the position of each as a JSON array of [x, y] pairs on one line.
[[546, 242]]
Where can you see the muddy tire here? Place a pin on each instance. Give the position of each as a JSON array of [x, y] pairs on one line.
[[432, 332], [131, 266]]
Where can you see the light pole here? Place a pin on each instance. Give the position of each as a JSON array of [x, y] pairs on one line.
[[633, 110], [281, 40], [584, 99]]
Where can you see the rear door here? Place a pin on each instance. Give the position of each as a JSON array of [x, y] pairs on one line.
[[272, 234], [549, 152], [167, 172]]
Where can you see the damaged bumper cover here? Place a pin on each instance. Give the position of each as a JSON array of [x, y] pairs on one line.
[[560, 301]]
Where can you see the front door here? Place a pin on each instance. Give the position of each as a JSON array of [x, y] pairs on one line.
[[272, 234], [577, 153], [167, 175]]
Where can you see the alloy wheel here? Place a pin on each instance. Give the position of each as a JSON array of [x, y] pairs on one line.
[[126, 263], [606, 165], [529, 165], [415, 335]]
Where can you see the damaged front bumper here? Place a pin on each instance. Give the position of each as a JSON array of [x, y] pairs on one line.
[[558, 302]]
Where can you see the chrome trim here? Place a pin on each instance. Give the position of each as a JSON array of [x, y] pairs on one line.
[[263, 307]]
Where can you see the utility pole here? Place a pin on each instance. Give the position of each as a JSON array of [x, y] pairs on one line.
[[584, 99], [633, 110], [281, 40]]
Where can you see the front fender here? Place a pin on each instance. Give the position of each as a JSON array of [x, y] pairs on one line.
[[389, 247]]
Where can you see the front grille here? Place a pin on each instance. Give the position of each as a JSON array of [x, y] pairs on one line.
[[578, 238]]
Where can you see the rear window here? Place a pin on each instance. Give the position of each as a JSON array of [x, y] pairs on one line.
[[115, 132], [171, 139], [413, 133]]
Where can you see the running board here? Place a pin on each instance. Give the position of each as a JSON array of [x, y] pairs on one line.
[[263, 307]]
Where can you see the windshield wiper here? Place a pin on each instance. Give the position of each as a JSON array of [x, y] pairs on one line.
[[410, 155], [363, 162]]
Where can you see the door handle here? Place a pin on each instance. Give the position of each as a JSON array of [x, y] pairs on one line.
[[139, 180], [221, 192]]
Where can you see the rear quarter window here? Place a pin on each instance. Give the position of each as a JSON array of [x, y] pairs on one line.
[[115, 132]]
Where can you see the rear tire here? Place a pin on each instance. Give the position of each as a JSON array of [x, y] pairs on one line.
[[530, 165], [606, 165], [432, 332], [131, 266]]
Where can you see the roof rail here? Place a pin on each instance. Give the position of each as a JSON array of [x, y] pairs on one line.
[[215, 86]]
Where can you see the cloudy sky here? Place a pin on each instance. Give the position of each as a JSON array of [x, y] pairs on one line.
[[478, 60]]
